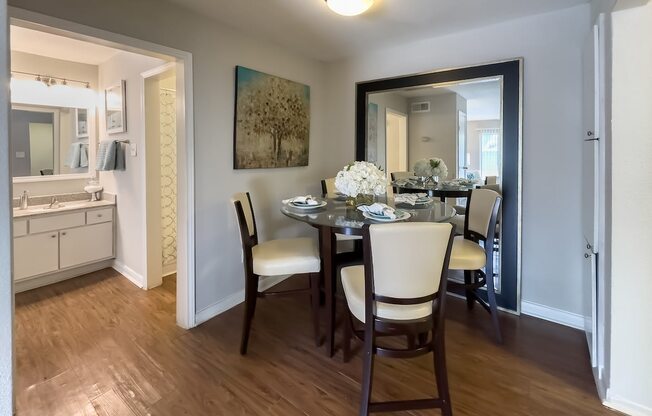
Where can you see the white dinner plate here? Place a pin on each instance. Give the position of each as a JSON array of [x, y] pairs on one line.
[[400, 216], [306, 206]]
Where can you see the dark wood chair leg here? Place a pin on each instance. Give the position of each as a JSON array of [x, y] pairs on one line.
[[491, 297], [348, 334], [411, 341], [468, 279], [314, 300], [251, 295], [441, 373], [368, 369]]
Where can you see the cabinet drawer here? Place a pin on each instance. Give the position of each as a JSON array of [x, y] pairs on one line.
[[56, 222], [99, 215], [20, 228], [36, 254], [86, 244]]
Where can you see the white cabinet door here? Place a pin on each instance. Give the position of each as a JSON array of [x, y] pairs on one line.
[[86, 244], [36, 254]]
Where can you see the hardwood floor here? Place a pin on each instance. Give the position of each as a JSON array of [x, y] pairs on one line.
[[97, 345]]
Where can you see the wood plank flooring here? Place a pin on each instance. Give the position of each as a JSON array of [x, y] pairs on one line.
[[97, 345]]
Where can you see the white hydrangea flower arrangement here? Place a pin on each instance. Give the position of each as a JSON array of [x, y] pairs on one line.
[[361, 178], [430, 167]]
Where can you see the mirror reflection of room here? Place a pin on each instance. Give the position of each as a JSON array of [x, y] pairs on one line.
[[458, 122]]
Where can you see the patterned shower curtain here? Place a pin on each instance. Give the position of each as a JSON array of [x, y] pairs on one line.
[[168, 176]]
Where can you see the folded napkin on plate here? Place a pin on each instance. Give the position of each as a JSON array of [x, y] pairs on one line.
[[306, 200], [409, 198], [379, 209]]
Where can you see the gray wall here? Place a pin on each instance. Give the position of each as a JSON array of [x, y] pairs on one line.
[[392, 101], [20, 138], [440, 125]]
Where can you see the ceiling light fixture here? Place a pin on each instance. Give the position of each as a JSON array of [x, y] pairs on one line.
[[349, 7]]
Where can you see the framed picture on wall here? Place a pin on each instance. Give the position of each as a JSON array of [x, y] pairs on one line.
[[116, 108], [81, 123], [272, 121]]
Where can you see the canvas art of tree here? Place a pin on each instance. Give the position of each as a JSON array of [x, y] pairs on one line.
[[272, 122]]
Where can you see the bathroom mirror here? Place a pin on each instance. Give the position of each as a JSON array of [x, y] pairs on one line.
[[48, 141]]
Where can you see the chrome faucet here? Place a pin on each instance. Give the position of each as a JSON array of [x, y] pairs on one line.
[[24, 200], [54, 202]]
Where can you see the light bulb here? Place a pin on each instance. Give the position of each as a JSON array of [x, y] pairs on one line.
[[349, 7]]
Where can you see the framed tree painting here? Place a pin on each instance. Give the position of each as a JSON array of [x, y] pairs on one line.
[[272, 121]]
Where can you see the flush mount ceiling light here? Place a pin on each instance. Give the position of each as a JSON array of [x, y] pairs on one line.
[[349, 7]]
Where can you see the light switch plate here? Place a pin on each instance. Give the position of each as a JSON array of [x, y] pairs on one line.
[[133, 149], [20, 155]]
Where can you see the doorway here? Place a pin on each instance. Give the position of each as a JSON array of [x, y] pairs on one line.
[[396, 135], [182, 63], [160, 114]]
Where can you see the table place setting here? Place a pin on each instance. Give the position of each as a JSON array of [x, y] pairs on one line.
[[305, 202], [415, 200], [383, 213]]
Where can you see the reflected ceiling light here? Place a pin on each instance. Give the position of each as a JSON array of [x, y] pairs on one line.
[[349, 7]]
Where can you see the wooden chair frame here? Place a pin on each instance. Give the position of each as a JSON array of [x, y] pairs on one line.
[[476, 279], [252, 280], [416, 330]]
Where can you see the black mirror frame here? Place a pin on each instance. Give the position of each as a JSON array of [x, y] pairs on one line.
[[511, 73]]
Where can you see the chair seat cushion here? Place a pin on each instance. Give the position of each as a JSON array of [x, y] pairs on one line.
[[286, 256], [353, 283], [467, 255], [345, 237]]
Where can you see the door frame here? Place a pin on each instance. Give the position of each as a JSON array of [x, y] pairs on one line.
[[511, 71], [185, 298], [407, 137]]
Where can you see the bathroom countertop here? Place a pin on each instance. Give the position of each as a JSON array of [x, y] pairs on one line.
[[38, 210]]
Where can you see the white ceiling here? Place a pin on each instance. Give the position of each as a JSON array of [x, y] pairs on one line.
[[309, 27], [58, 47]]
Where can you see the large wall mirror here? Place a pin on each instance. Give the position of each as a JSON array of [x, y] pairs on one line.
[[470, 118], [52, 131], [49, 141]]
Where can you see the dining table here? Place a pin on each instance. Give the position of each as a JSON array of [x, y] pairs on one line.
[[441, 190], [336, 216]]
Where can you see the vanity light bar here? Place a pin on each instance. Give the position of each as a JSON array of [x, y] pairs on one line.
[[50, 80]]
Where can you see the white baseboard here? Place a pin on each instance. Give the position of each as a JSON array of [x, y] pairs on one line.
[[169, 269], [626, 406], [547, 313], [129, 273], [219, 307]]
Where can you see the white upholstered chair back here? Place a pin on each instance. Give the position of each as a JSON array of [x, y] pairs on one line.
[[401, 175], [248, 211], [408, 258], [481, 207], [328, 188]]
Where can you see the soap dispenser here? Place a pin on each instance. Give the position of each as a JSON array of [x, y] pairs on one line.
[[24, 200]]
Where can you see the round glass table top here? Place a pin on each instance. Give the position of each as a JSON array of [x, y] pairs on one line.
[[350, 220], [416, 185]]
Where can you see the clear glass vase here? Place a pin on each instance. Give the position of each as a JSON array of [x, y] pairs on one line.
[[356, 201]]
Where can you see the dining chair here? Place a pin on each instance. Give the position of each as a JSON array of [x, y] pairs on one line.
[[278, 259], [469, 256], [328, 190], [491, 180], [400, 175], [460, 217], [400, 291]]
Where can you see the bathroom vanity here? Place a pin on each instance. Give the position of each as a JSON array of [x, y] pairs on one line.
[[56, 243]]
